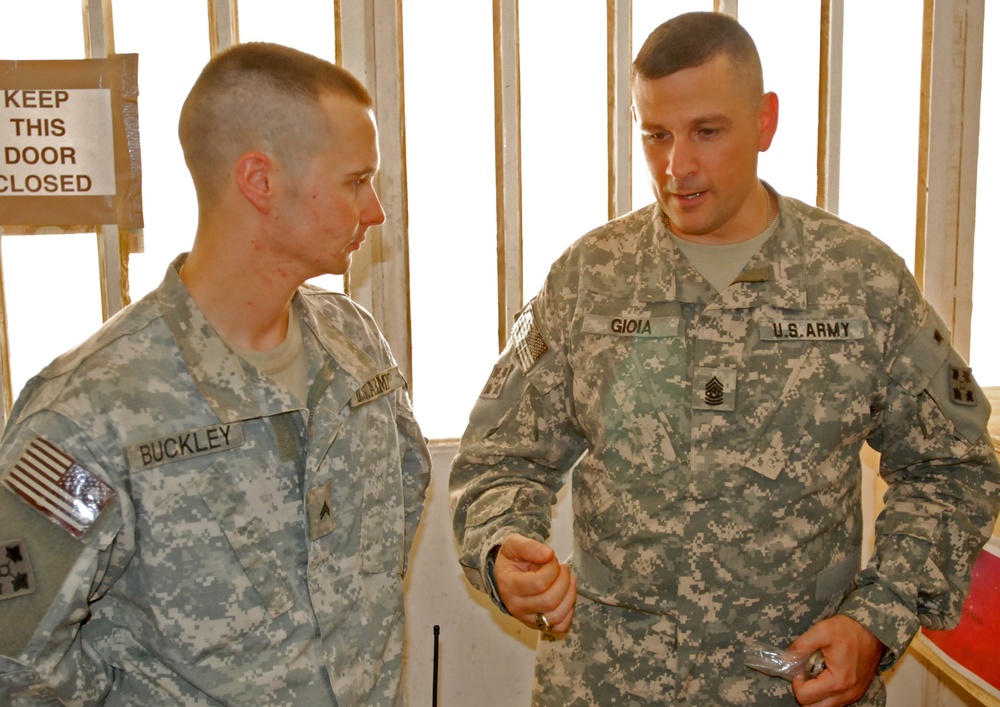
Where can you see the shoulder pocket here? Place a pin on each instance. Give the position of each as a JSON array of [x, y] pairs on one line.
[[930, 364], [923, 356]]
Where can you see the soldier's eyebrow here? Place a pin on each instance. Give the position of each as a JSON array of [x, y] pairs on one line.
[[713, 119]]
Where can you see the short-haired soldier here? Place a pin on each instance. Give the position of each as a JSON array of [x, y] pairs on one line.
[[211, 501], [711, 365]]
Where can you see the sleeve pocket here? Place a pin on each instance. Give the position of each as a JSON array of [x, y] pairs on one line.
[[923, 356], [382, 518]]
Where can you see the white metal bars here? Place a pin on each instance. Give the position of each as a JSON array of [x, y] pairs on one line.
[[951, 85], [507, 111], [370, 45]]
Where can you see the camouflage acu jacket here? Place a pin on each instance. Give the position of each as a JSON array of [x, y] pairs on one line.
[[716, 440], [190, 535]]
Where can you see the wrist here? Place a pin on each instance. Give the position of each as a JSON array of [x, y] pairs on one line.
[[490, 577]]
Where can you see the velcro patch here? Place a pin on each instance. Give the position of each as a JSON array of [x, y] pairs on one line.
[[58, 487], [498, 378], [16, 577], [526, 340], [762, 274], [638, 327], [319, 508], [380, 384], [812, 330], [184, 445], [714, 389], [963, 390]]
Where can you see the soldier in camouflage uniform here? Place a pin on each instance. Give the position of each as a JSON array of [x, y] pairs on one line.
[[708, 367], [212, 500]]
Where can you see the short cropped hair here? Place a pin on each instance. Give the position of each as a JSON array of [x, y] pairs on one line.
[[694, 38], [258, 96]]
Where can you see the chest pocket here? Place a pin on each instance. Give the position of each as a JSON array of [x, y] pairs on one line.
[[248, 538], [207, 566], [807, 387], [629, 377]]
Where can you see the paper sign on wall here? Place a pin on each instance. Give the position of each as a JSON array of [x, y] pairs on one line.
[[69, 142]]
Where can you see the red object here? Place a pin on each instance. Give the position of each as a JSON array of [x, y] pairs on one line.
[[974, 645]]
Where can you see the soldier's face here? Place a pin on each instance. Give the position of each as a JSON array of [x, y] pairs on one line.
[[331, 200], [702, 130]]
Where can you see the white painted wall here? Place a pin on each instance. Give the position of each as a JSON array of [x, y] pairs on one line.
[[485, 658]]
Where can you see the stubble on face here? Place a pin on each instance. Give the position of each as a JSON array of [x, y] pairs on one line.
[[701, 138]]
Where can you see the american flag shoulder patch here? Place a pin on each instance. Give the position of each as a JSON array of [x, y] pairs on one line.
[[58, 487], [526, 338]]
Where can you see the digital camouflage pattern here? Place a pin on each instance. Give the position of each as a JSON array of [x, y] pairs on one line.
[[253, 552], [718, 497]]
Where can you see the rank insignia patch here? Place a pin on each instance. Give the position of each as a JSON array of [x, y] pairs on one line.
[[16, 578], [714, 389], [963, 390], [319, 508], [58, 487], [527, 341], [498, 378], [714, 392]]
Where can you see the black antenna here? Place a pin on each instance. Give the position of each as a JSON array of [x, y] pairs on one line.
[[434, 696]]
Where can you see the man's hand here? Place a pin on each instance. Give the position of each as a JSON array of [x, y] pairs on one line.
[[852, 655], [531, 581]]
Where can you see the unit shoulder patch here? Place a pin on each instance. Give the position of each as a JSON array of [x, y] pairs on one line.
[[498, 378], [16, 577], [963, 390]]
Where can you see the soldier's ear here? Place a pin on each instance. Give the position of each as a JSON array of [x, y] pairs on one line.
[[767, 120], [255, 179]]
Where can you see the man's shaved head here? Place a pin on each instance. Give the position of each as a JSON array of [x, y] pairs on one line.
[[257, 96], [694, 38]]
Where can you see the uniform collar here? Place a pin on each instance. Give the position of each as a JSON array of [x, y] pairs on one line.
[[347, 367], [774, 275], [355, 362], [235, 389]]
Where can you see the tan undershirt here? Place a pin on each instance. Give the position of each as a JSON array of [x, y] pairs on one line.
[[720, 264], [286, 364]]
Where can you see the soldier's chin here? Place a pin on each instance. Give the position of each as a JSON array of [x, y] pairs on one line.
[[342, 267]]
